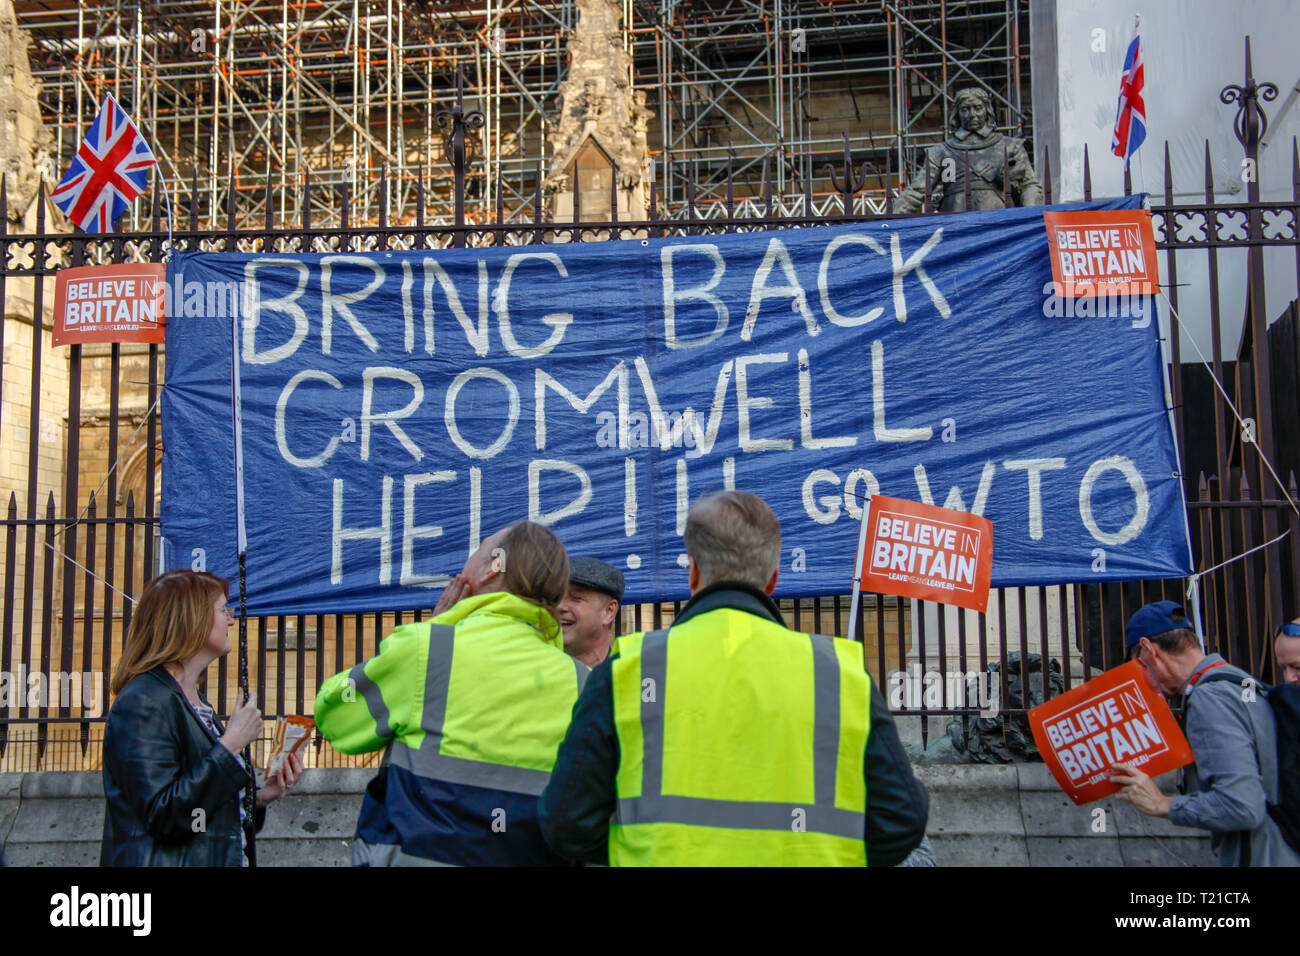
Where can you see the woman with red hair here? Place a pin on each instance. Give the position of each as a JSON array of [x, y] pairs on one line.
[[173, 776]]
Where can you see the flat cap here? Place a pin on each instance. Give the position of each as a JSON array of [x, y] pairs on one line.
[[597, 575]]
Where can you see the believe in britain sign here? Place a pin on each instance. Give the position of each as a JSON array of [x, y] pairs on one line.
[[398, 407]]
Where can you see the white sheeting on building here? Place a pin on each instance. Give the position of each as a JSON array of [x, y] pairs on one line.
[[1192, 49]]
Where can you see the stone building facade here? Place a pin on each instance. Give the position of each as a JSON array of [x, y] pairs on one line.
[[26, 148], [601, 133]]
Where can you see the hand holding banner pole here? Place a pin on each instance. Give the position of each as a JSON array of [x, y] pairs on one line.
[[857, 570]]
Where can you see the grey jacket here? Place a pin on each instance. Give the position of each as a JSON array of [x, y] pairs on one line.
[[1234, 743]]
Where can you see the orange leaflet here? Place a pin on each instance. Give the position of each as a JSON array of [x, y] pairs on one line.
[[290, 734]]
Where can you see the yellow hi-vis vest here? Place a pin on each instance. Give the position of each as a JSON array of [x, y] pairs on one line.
[[742, 743]]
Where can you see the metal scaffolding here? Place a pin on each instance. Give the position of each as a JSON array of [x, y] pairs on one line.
[[241, 95], [744, 80]]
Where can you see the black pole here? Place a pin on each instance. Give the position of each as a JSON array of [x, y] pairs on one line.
[[1250, 126], [250, 794], [458, 149]]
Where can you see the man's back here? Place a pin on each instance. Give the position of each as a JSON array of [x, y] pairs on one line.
[[474, 705], [732, 740], [742, 727]]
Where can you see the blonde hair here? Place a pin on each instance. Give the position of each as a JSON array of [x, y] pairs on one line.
[[172, 621]]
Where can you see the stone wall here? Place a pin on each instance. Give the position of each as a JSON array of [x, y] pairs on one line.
[[979, 816]]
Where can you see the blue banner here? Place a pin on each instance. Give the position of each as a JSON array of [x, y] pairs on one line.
[[399, 407]]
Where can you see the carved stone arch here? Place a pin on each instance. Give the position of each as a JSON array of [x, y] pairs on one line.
[[591, 172]]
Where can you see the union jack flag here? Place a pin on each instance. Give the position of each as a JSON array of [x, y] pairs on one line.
[[1131, 113], [109, 171]]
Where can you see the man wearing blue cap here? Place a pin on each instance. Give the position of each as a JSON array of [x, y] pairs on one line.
[[1232, 734]]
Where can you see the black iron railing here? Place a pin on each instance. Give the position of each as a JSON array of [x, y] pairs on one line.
[[79, 530]]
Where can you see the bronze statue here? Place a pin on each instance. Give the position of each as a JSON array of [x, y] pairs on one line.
[[977, 145]]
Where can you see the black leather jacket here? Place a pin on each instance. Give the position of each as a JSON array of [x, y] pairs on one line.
[[161, 765]]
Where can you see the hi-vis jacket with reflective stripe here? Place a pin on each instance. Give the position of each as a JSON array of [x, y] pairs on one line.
[[742, 729], [474, 704], [731, 740]]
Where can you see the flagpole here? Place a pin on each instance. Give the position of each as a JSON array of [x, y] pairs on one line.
[[857, 569], [167, 198], [1127, 95], [1194, 598], [241, 543], [1137, 30]]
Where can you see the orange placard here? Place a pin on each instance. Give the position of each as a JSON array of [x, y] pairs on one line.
[[1119, 717], [930, 553], [1102, 253], [122, 303]]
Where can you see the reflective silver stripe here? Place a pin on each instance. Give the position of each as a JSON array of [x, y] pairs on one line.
[[386, 854], [742, 815], [653, 806], [374, 699], [427, 762], [826, 720], [654, 668], [437, 677], [583, 673]]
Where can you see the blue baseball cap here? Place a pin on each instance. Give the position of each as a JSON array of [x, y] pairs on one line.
[[1153, 619]]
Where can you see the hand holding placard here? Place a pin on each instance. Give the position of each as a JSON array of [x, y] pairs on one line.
[[1139, 790], [1119, 718]]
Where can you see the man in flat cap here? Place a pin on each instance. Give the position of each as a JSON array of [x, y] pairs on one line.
[[587, 612]]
